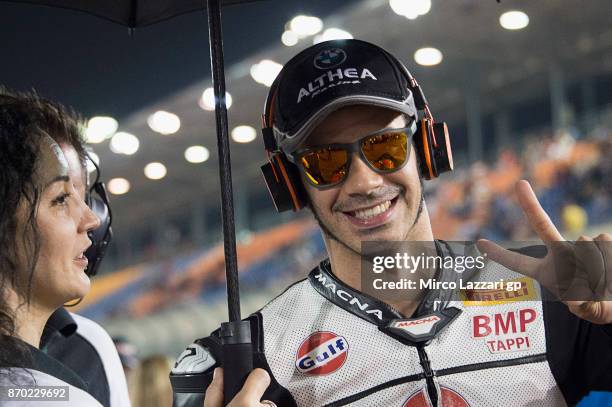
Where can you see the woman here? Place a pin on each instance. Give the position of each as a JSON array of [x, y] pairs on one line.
[[43, 236]]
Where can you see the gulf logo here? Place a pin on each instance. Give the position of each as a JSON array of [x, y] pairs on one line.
[[322, 353]]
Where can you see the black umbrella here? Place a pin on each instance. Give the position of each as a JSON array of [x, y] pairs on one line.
[[236, 335], [136, 13]]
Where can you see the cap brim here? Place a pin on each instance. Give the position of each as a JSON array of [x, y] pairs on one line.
[[296, 140]]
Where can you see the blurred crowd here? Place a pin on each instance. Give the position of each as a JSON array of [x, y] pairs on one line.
[[568, 174], [147, 377]]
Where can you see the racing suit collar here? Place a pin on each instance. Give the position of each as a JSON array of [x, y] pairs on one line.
[[373, 310], [59, 324], [357, 303]]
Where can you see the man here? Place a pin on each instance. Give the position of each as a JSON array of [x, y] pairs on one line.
[[82, 346], [344, 114]]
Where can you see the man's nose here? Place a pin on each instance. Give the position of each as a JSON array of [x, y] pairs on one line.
[[361, 180]]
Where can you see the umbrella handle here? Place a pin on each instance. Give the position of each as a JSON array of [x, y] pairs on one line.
[[237, 356]]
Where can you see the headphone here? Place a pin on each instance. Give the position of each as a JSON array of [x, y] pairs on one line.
[[97, 200], [282, 177]]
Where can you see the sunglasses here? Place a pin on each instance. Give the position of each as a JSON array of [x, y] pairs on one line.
[[384, 151]]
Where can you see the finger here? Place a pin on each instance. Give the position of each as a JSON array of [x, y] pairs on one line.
[[582, 309], [597, 312], [214, 393], [537, 217], [522, 264], [600, 254], [254, 387], [603, 242]]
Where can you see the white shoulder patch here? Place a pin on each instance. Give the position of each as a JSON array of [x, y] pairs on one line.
[[194, 359]]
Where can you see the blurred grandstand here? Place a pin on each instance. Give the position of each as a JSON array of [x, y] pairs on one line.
[[568, 173]]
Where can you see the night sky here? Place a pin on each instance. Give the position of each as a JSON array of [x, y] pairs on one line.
[[94, 66]]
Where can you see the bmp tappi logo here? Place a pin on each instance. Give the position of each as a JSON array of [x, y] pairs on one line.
[[321, 353], [329, 58]]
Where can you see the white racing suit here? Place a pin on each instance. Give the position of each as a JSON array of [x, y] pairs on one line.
[[325, 344]]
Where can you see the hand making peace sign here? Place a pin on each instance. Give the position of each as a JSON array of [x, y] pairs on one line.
[[579, 274]]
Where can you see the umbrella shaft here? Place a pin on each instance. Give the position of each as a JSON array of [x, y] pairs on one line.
[[225, 173]]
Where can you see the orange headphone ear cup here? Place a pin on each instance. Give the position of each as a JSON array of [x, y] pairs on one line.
[[433, 160], [284, 184], [280, 175], [443, 154], [424, 149]]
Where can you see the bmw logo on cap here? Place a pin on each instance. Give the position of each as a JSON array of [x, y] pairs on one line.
[[329, 58]]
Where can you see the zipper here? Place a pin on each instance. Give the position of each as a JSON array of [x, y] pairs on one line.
[[432, 390]]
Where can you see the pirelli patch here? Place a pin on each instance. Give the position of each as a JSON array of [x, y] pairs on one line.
[[483, 297]]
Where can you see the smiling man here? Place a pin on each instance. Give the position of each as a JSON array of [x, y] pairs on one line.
[[345, 138]]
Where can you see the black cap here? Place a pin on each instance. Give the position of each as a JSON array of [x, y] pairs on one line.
[[331, 75]]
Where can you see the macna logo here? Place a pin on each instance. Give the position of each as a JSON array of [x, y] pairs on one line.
[[358, 306], [322, 353], [329, 58], [421, 326]]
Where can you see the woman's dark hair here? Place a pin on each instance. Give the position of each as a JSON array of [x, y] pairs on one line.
[[25, 118]]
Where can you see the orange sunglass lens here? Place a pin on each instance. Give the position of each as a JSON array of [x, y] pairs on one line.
[[325, 166], [386, 151]]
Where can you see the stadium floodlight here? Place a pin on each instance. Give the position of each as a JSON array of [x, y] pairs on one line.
[[332, 34], [514, 20], [289, 38], [155, 170], [422, 7], [118, 186], [100, 128], [164, 122], [196, 154], [207, 100], [304, 26], [124, 143], [265, 71], [244, 134], [410, 9], [428, 56]]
